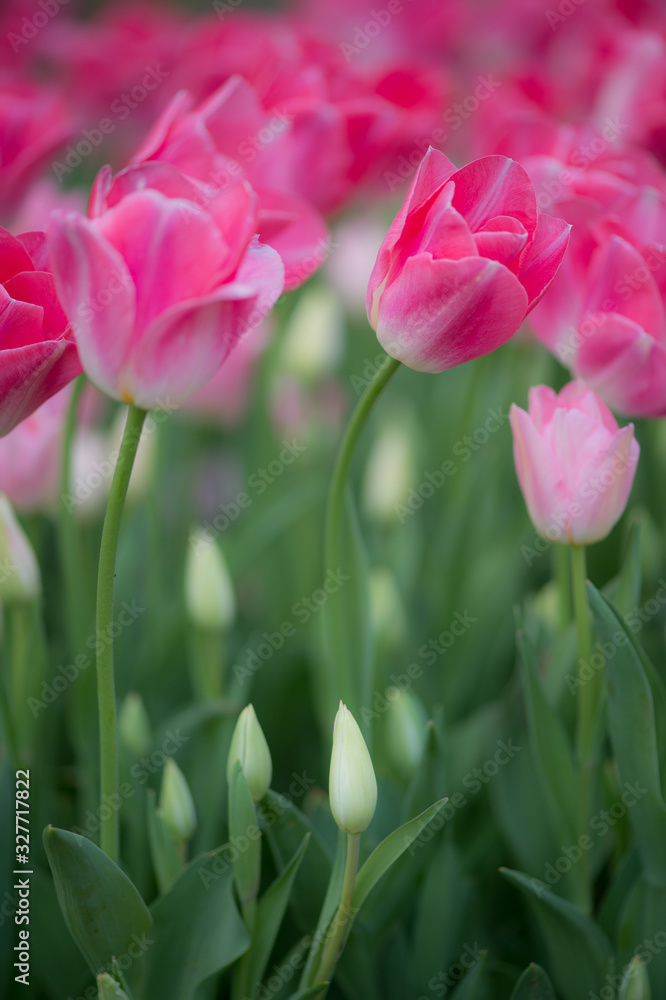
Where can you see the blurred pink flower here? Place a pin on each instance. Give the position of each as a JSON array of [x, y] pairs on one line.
[[162, 281], [30, 456], [467, 257], [38, 355], [575, 466]]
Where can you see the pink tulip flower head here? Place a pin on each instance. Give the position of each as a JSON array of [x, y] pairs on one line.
[[466, 259], [575, 465], [162, 282]]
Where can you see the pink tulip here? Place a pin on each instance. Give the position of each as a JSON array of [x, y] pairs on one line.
[[575, 466], [37, 354], [162, 282], [466, 259]]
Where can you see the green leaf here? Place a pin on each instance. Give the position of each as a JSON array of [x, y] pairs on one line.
[[633, 735], [197, 930], [102, 908], [310, 992], [329, 907], [470, 988], [163, 848], [347, 626], [389, 851], [244, 831], [534, 984], [579, 951], [270, 913], [625, 590], [636, 985]]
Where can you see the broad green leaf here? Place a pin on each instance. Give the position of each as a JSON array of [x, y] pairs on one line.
[[640, 931], [197, 930], [245, 835], [310, 992], [534, 984], [579, 951], [636, 985], [633, 734], [623, 879], [346, 620], [625, 590], [102, 908], [389, 851], [163, 848], [429, 780], [270, 913], [329, 907]]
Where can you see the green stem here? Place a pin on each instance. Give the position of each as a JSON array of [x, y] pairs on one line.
[[562, 573], [336, 495], [71, 549], [343, 914], [587, 703], [207, 663], [8, 731], [106, 695]]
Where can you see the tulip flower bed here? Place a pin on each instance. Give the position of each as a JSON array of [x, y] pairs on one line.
[[332, 530]]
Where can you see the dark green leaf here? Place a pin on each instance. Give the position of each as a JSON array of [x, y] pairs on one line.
[[534, 984]]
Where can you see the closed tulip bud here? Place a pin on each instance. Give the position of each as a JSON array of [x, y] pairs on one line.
[[635, 985], [134, 725], [575, 465], [249, 746], [209, 594], [312, 342], [109, 989], [352, 786], [386, 610], [389, 472], [176, 802], [406, 722], [19, 573]]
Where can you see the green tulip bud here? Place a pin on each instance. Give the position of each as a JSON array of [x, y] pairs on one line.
[[352, 786], [209, 594], [176, 802], [636, 985], [406, 723], [20, 580], [249, 746], [109, 989], [134, 725]]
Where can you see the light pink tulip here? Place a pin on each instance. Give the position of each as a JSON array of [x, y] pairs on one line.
[[162, 282], [575, 466], [466, 259], [30, 456]]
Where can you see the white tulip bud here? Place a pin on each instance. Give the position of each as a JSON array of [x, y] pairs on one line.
[[176, 802], [352, 786], [209, 594], [249, 746]]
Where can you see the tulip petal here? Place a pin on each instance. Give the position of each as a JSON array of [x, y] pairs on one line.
[[494, 185], [97, 294], [30, 375], [602, 487], [621, 283], [542, 258], [38, 287], [297, 231], [13, 256], [185, 346], [441, 313], [540, 478], [20, 322], [626, 366]]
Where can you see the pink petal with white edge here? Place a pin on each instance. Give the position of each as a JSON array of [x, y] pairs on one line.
[[542, 403], [542, 257], [170, 247], [30, 375], [185, 346], [494, 185], [440, 313], [577, 395], [602, 491], [97, 294], [626, 366], [540, 478]]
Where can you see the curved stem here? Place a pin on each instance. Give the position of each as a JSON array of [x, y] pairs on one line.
[[336, 494], [343, 914], [106, 695], [71, 554]]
